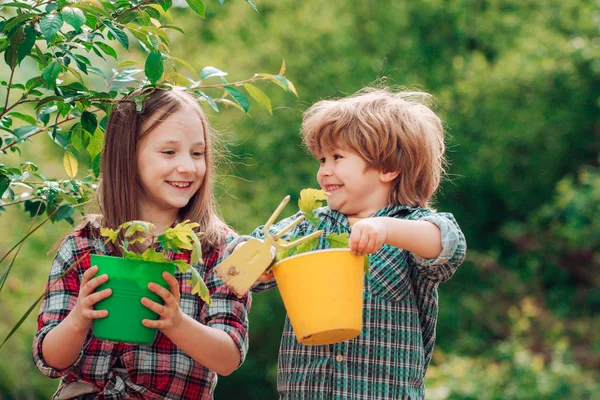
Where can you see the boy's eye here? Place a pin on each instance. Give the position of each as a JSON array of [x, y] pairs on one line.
[[322, 160], [337, 157], [170, 152]]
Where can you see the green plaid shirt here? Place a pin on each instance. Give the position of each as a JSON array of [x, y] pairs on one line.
[[388, 360]]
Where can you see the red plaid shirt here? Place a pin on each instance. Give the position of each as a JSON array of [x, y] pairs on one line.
[[157, 371]]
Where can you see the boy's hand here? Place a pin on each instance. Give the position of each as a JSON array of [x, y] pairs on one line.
[[170, 313], [368, 235], [83, 313]]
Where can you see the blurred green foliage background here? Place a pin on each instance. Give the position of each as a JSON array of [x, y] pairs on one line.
[[518, 85]]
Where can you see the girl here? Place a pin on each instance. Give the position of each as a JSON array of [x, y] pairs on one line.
[[156, 167]]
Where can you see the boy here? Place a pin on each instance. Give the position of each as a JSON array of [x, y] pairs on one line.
[[382, 159]]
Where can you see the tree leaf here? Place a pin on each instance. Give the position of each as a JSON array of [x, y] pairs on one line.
[[50, 73], [154, 68], [310, 200], [259, 96], [26, 44], [209, 72], [73, 17], [89, 122], [27, 118], [50, 25], [209, 99], [152, 255], [64, 212], [197, 6], [238, 97], [34, 207], [107, 49], [70, 163], [118, 34], [252, 4], [187, 65], [137, 226], [96, 144]]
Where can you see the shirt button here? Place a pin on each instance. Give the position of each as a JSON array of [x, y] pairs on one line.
[[339, 358]]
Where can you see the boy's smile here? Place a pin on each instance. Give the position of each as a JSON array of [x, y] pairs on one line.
[[355, 189]]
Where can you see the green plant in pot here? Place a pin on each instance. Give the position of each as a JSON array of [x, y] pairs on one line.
[[145, 257], [322, 290]]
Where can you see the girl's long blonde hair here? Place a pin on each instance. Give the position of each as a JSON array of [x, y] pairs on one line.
[[120, 186]]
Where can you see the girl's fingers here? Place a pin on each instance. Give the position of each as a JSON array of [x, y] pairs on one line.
[[173, 284], [97, 296], [90, 286], [94, 314], [154, 306]]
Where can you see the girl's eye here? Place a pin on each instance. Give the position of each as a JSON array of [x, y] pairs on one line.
[[169, 152], [198, 154]]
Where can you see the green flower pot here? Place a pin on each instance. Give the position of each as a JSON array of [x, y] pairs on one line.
[[128, 280]]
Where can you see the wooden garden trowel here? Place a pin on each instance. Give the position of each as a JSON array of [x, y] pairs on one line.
[[242, 268]]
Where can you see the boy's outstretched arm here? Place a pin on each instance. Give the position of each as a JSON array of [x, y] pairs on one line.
[[434, 240], [419, 237]]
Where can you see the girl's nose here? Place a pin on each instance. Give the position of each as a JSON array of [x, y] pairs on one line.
[[186, 165]]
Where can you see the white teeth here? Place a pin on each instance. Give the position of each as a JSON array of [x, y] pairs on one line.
[[180, 184], [332, 187]]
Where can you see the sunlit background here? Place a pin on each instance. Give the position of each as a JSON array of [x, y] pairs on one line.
[[518, 86]]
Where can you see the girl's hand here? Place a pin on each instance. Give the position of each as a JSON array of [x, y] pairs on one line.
[[368, 235], [170, 313], [83, 313]]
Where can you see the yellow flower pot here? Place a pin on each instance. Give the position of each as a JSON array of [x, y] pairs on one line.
[[323, 294]]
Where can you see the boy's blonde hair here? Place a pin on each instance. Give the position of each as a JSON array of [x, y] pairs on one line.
[[393, 132]]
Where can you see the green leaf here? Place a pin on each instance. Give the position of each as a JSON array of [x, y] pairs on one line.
[[64, 212], [96, 144], [50, 73], [197, 6], [111, 235], [17, 4], [310, 200], [209, 72], [165, 4], [70, 163], [34, 208], [27, 118], [107, 49], [338, 240], [307, 246], [199, 287], [24, 132], [252, 4], [259, 96], [89, 122], [26, 44], [238, 97], [118, 34], [209, 99], [79, 138], [50, 25], [154, 68], [73, 17], [4, 183], [96, 162], [152, 255], [137, 226], [187, 65]]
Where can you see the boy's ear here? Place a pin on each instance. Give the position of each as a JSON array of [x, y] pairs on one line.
[[388, 176]]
